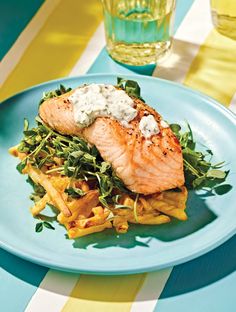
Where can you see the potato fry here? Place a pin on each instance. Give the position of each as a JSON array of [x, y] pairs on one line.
[[99, 217], [151, 219], [77, 232], [128, 202], [14, 152], [82, 206], [40, 205], [121, 225], [170, 210], [145, 204], [38, 177]]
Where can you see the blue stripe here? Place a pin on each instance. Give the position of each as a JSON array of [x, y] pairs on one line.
[[19, 281], [14, 16], [204, 284]]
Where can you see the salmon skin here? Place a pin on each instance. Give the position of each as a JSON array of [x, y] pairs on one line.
[[145, 165]]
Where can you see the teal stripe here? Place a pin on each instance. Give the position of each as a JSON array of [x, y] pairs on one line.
[[19, 281], [14, 17], [105, 64], [206, 284]]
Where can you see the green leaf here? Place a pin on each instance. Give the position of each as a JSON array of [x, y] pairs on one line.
[[190, 131], [104, 166], [26, 124], [214, 173], [120, 81], [116, 198], [209, 152], [54, 93], [39, 227], [131, 87], [48, 225], [29, 132], [223, 189], [198, 170], [119, 184], [77, 154], [175, 128], [118, 206], [89, 158], [103, 201], [21, 165], [197, 182], [74, 192]]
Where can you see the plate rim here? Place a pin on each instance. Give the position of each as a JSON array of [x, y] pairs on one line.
[[207, 248], [170, 82]]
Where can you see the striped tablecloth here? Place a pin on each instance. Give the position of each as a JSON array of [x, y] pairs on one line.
[[42, 40]]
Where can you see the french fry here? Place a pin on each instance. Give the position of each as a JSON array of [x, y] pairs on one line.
[[82, 206], [128, 202], [168, 209], [40, 205], [145, 204], [77, 232], [178, 198], [60, 183], [151, 219], [100, 215], [14, 152], [39, 178], [121, 225]]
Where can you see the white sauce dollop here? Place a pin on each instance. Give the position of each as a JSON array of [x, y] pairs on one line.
[[164, 124], [148, 126], [100, 100]]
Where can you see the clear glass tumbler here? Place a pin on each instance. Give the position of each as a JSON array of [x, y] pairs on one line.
[[224, 17], [138, 32]]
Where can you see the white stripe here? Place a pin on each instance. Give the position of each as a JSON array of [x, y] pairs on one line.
[[192, 32], [147, 297], [232, 105], [13, 56], [53, 292], [94, 47]]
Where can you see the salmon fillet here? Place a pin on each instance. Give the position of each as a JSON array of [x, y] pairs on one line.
[[145, 165]]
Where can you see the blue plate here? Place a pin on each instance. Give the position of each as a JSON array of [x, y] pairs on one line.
[[212, 219]]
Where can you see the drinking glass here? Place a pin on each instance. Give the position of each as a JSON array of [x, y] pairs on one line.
[[224, 17], [138, 32]]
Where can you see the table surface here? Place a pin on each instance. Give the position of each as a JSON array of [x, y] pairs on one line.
[[42, 40]]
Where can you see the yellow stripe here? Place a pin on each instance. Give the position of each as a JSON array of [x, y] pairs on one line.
[[104, 293], [58, 45], [213, 71]]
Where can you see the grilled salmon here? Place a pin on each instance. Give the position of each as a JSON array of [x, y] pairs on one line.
[[145, 165]]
